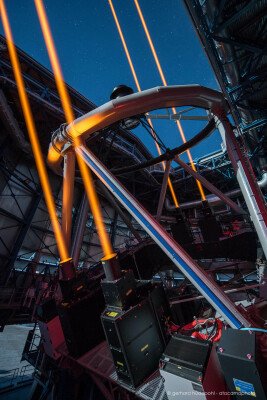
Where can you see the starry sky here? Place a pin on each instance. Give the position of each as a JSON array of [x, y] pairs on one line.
[[93, 59]]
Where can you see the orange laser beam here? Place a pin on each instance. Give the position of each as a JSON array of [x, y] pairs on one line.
[[163, 79], [69, 115], [36, 148], [124, 45], [139, 90]]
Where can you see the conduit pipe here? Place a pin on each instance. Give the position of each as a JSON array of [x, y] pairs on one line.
[[132, 105], [208, 185], [263, 182], [211, 199], [247, 182]]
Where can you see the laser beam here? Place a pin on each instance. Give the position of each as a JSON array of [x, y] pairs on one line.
[[69, 115], [33, 136], [126, 50], [163, 79]]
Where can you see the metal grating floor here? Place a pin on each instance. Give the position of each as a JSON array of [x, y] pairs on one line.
[[152, 390], [99, 361]]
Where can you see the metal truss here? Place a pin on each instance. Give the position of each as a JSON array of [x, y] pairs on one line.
[[233, 34], [25, 235]]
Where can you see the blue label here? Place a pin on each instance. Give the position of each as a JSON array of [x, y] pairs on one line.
[[244, 387]]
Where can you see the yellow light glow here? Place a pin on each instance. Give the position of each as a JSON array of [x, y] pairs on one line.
[[53, 156], [37, 152], [85, 124], [69, 115], [175, 200], [163, 79]]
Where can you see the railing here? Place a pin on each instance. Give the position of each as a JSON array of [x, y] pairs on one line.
[[16, 377], [31, 351], [11, 297], [26, 373], [23, 298], [8, 378]]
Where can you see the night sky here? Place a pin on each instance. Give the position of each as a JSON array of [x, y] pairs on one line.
[[93, 59]]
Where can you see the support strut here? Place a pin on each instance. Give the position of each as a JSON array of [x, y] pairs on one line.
[[213, 293]]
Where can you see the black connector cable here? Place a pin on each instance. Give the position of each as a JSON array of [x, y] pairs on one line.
[[146, 125], [169, 154]]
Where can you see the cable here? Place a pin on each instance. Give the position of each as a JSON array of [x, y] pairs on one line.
[[179, 126], [170, 154], [146, 123], [155, 138], [254, 329]]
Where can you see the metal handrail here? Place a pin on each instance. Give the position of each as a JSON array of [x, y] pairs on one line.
[[26, 373], [9, 378], [16, 376], [10, 296]]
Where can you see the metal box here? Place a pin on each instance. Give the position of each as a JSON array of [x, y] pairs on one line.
[[52, 336], [190, 369], [120, 293], [81, 324], [242, 364], [135, 341]]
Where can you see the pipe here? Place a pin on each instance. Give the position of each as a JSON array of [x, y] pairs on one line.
[[210, 186], [181, 260], [211, 199], [263, 182], [111, 267], [129, 106], [248, 185], [228, 291], [67, 195]]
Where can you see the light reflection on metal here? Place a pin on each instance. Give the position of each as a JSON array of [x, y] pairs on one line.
[[69, 115], [67, 195], [137, 103], [36, 148], [174, 197], [162, 76]]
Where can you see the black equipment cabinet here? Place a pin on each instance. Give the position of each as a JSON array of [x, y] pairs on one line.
[[210, 228], [186, 357], [190, 365], [243, 366], [135, 341], [80, 320]]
